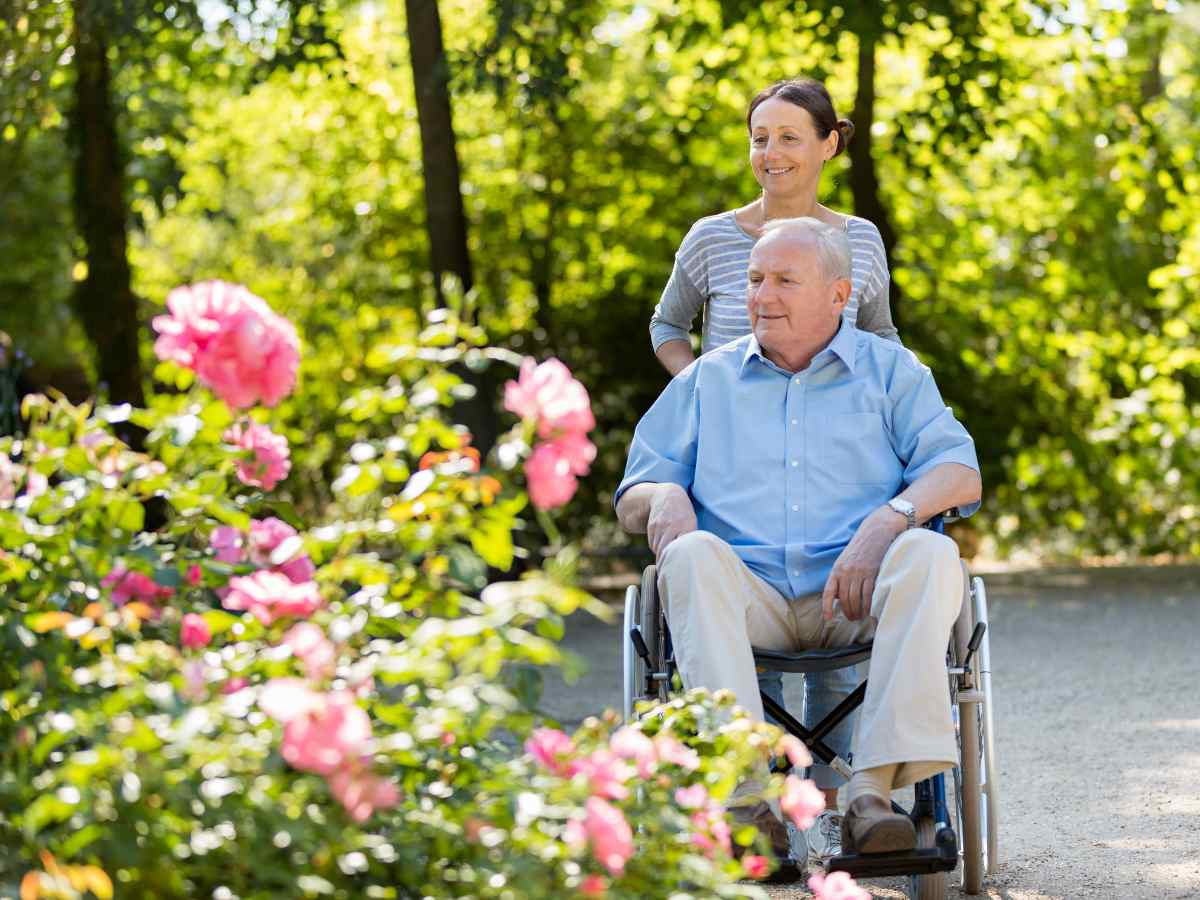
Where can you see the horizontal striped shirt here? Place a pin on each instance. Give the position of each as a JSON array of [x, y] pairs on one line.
[[710, 275]]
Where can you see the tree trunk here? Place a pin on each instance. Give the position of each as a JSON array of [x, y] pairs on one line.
[[864, 183], [104, 299], [445, 219]]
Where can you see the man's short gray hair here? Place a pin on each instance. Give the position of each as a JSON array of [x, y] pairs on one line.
[[833, 247]]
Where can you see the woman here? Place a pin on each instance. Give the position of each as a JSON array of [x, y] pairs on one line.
[[794, 131]]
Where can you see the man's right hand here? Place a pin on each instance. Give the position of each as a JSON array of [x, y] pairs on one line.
[[671, 515]]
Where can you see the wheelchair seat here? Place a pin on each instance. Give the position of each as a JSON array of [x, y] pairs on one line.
[[820, 660]]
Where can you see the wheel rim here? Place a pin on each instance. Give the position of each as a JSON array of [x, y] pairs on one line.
[[629, 658]]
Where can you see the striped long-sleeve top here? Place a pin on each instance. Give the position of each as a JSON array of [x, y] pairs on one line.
[[710, 274]]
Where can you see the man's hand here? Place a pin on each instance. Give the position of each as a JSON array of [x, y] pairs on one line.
[[852, 580], [671, 514]]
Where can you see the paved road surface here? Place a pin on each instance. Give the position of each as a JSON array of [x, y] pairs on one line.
[[1096, 675]]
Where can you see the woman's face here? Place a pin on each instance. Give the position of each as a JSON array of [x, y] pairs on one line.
[[785, 153]]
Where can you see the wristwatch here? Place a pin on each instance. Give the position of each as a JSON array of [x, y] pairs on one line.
[[905, 509]]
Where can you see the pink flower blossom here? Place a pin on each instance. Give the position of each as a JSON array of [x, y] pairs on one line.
[[322, 733], [755, 866], [672, 751], [194, 632], [578, 451], [609, 834], [36, 483], [10, 478], [593, 886], [268, 461], [801, 800], [265, 537], [795, 751], [693, 797], [309, 644], [836, 886], [271, 596], [605, 772], [549, 395], [710, 830], [194, 688], [232, 340], [629, 743], [127, 585], [233, 685], [548, 471], [551, 748], [194, 575], [362, 792], [575, 835], [228, 544]]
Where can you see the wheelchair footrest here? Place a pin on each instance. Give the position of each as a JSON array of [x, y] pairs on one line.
[[922, 861]]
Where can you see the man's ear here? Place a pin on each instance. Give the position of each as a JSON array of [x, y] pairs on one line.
[[841, 292]]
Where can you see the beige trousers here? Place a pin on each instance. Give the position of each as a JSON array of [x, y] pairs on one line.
[[718, 609]]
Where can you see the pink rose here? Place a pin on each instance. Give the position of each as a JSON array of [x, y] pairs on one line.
[[836, 886], [271, 596], [693, 797], [609, 834], [194, 633], [548, 471], [265, 537], [577, 450], [327, 738], [593, 886], [551, 748], [309, 645], [801, 800], [629, 743], [194, 687], [228, 544], [233, 685], [711, 830], [127, 585], [795, 751], [194, 575], [605, 772], [268, 461], [321, 732], [672, 751], [549, 394], [755, 866], [10, 478], [362, 792], [232, 340]]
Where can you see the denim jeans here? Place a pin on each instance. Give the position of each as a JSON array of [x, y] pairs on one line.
[[822, 692]]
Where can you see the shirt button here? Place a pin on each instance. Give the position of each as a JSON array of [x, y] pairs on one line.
[[796, 573], [797, 381], [795, 462], [795, 421], [795, 509]]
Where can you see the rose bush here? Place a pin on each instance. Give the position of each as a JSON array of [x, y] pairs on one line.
[[233, 702]]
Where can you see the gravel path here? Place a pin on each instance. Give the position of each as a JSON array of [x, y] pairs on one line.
[[1096, 676]]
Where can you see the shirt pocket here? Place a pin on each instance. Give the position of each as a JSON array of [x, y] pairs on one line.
[[856, 449]]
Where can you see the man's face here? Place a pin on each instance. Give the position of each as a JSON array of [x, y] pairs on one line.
[[792, 305]]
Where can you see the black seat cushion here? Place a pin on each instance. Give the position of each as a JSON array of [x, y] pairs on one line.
[[812, 660]]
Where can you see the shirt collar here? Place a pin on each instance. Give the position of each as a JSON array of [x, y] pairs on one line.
[[843, 346]]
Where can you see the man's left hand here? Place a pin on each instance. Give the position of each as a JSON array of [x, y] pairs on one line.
[[852, 581]]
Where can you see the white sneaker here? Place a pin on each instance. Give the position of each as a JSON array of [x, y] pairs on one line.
[[824, 838]]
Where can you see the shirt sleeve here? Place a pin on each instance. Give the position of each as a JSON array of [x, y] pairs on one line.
[[664, 443], [680, 302], [924, 430], [875, 305]]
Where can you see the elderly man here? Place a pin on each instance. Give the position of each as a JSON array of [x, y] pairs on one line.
[[780, 481]]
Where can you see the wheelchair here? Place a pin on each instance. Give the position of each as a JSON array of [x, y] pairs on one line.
[[649, 670]]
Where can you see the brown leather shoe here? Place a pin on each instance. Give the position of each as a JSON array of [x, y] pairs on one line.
[[870, 826]]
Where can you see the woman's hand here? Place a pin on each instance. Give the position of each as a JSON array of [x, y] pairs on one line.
[[671, 515]]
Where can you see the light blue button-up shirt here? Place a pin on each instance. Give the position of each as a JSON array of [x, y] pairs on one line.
[[784, 466]]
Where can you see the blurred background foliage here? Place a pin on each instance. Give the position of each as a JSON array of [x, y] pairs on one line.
[[1032, 166]]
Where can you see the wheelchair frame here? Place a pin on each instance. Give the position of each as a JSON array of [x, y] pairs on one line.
[[649, 667]]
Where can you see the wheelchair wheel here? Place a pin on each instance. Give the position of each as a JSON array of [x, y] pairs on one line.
[[642, 610], [972, 818], [933, 885], [991, 782]]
